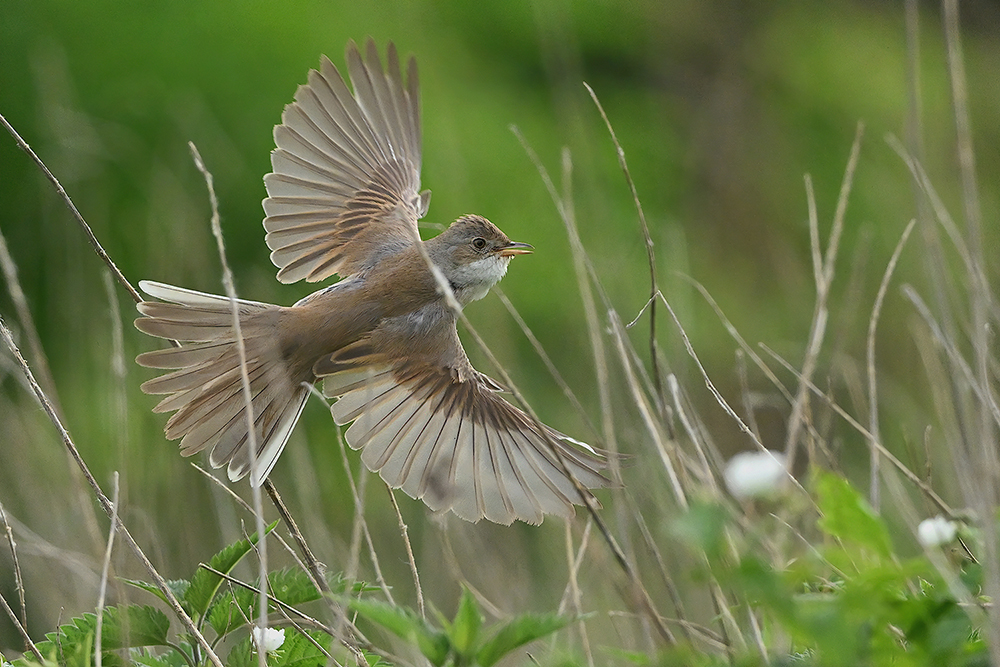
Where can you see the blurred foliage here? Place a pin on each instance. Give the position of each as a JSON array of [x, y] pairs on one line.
[[141, 635], [849, 600], [720, 108]]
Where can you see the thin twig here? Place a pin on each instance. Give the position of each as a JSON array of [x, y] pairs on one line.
[[668, 583], [708, 382], [358, 503], [315, 576], [873, 421], [22, 624], [694, 436], [650, 256], [749, 404], [547, 360], [914, 136], [46, 380], [573, 586], [954, 355], [824, 273], [963, 124], [985, 433], [119, 369], [313, 566], [575, 562], [24, 633], [241, 350], [105, 569], [409, 552]]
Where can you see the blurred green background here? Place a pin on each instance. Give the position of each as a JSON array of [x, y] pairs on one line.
[[721, 109]]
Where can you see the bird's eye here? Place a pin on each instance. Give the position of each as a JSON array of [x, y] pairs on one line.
[[478, 243]]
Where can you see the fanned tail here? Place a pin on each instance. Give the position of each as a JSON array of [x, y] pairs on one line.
[[204, 385]]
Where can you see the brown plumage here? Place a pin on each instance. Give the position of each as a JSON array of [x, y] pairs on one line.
[[344, 199]]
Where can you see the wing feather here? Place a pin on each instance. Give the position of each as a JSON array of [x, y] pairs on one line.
[[459, 445], [345, 184]]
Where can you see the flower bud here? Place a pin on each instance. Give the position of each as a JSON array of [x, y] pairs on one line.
[[936, 532], [755, 474], [270, 639]]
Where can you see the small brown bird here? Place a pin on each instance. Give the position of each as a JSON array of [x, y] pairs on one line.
[[344, 198]]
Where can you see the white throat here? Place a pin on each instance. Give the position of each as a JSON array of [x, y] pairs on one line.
[[472, 281]]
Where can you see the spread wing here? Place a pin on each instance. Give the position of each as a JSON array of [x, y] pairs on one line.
[[345, 190], [445, 436]]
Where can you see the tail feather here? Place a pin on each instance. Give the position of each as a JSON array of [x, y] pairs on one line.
[[205, 373], [190, 297], [191, 354], [209, 398], [204, 386]]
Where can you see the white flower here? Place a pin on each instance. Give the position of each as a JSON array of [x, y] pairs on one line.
[[754, 474], [936, 532], [270, 639]]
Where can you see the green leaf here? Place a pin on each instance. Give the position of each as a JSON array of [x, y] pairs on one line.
[[846, 516], [764, 587], [165, 659], [703, 527], [299, 651], [518, 632], [133, 625], [205, 585], [71, 645], [293, 586], [231, 609], [178, 587], [403, 623], [468, 620], [242, 654]]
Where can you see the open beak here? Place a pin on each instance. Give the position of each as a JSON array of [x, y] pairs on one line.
[[515, 248]]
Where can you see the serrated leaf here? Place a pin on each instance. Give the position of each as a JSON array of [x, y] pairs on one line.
[[299, 651], [133, 625], [127, 626], [403, 623], [292, 586], [231, 609], [178, 587], [205, 585], [165, 659], [464, 631], [846, 516], [242, 654], [518, 632]]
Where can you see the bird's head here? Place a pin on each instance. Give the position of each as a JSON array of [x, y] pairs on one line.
[[473, 254]]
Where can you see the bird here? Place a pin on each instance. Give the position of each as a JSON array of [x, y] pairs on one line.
[[344, 200]]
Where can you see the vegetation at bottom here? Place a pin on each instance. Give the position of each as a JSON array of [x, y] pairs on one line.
[[849, 600]]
